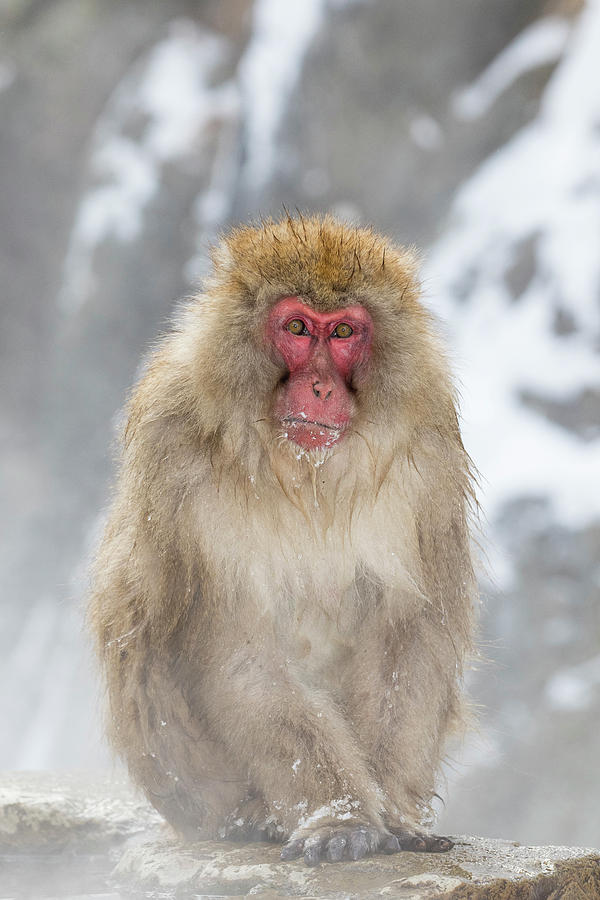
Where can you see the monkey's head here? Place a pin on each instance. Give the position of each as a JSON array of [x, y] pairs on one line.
[[314, 329]]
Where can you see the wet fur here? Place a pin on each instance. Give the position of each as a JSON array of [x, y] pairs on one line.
[[255, 605]]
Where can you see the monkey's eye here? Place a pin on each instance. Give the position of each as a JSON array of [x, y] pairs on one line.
[[343, 330], [297, 326]]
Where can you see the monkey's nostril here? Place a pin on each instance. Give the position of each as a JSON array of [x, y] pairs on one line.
[[321, 392]]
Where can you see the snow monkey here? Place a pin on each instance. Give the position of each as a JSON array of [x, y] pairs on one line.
[[283, 597]]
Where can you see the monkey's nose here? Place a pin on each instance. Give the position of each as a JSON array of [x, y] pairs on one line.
[[322, 389]]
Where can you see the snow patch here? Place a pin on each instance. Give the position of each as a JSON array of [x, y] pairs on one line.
[[281, 35], [539, 44], [342, 809], [169, 99], [8, 73], [534, 208], [574, 688], [426, 132]]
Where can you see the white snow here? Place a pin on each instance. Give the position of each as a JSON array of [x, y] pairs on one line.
[[269, 71], [541, 43], [559, 631], [345, 4], [213, 205], [543, 187], [426, 132], [8, 73], [169, 92], [282, 33], [342, 809], [575, 687], [173, 95]]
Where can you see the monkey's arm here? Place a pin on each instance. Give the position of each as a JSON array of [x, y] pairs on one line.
[[298, 749], [404, 688], [186, 775], [403, 696]]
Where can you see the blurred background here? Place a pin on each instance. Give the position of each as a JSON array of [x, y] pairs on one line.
[[132, 131]]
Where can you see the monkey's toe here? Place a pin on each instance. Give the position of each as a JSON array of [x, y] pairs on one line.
[[391, 844], [292, 850], [417, 842], [358, 845], [334, 845], [312, 848]]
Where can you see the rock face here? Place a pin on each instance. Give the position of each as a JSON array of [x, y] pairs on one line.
[[72, 834], [40, 811]]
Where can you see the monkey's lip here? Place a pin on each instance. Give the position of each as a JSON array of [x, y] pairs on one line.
[[310, 434], [292, 420]]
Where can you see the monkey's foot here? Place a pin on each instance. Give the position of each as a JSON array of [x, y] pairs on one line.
[[417, 842], [334, 843]]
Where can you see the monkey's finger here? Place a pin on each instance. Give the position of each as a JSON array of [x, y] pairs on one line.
[[358, 844], [335, 847], [292, 850], [391, 844]]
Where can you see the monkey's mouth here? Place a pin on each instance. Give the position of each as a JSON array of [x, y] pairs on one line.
[[311, 434]]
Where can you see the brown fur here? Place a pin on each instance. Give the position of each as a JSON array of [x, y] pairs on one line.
[[281, 632]]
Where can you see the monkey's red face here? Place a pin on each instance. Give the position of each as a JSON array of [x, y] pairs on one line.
[[326, 356]]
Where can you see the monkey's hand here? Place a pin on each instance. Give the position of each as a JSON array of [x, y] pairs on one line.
[[334, 842], [419, 842]]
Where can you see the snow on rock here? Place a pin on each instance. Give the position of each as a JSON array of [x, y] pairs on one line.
[[8, 73], [426, 132], [521, 254], [573, 687], [171, 97], [539, 44], [266, 76], [281, 34]]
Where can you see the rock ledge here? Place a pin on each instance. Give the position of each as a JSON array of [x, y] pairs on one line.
[[67, 834]]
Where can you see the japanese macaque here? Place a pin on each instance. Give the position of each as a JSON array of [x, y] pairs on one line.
[[283, 597]]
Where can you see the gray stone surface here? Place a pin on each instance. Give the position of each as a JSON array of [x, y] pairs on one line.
[[80, 835], [223, 869], [52, 812]]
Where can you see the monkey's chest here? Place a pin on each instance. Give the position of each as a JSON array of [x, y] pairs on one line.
[[318, 638], [314, 606]]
